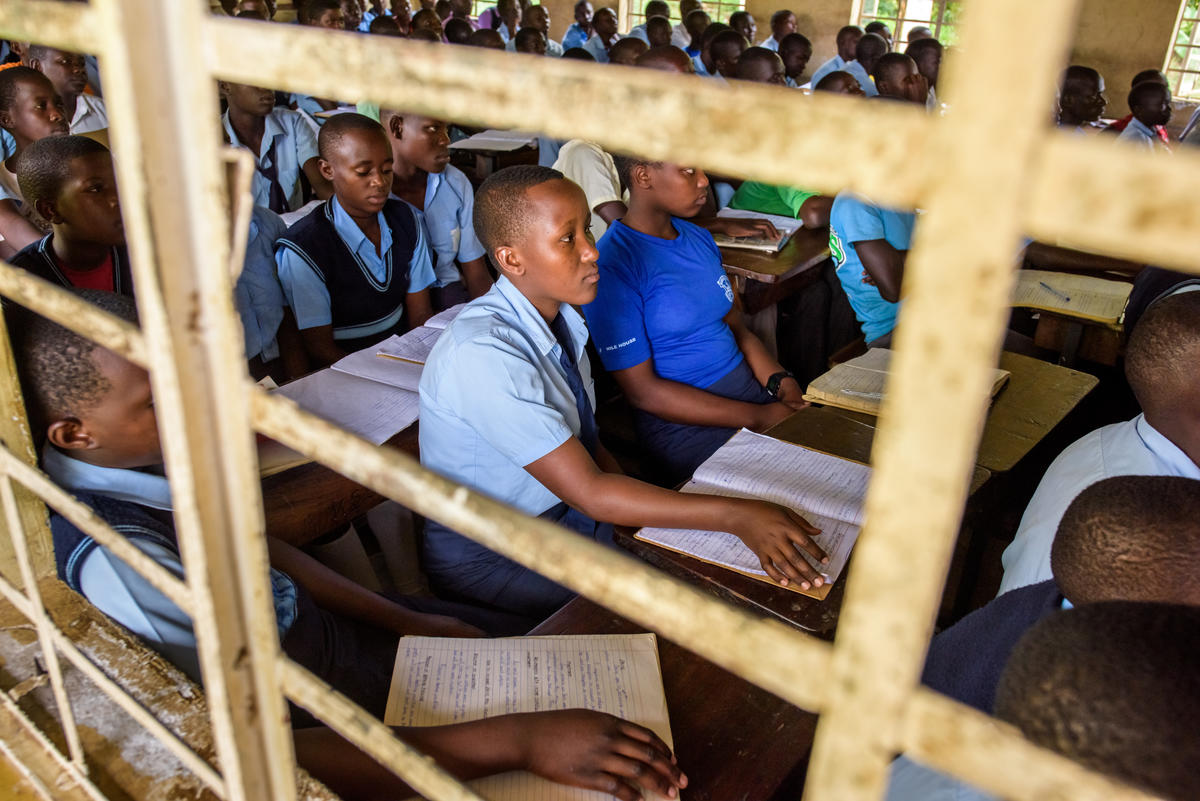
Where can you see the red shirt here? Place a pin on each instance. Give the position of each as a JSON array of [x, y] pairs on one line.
[[99, 277]]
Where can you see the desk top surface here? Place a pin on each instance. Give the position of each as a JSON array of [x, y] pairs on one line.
[[732, 739], [806, 249]]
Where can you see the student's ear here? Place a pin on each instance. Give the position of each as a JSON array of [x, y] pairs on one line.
[[396, 126], [223, 89], [71, 433], [508, 261], [326, 169], [36, 64], [6, 120], [639, 176], [48, 210]]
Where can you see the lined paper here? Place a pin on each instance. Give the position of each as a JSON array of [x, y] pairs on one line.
[[1095, 299], [414, 346], [372, 410], [367, 363], [437, 681]]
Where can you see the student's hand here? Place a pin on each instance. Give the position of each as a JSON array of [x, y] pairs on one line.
[[777, 535], [768, 414], [600, 752], [791, 394], [739, 226], [916, 88]]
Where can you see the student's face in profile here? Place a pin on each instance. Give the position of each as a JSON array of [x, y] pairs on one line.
[[331, 19], [36, 112], [421, 142], [748, 27], [681, 191], [848, 46], [253, 100], [846, 85], [784, 26], [763, 70], [360, 169], [556, 258], [427, 22], [538, 17], [1086, 101], [87, 203], [659, 34], [1157, 111], [605, 23], [583, 14], [795, 60], [67, 71], [120, 430], [929, 64]]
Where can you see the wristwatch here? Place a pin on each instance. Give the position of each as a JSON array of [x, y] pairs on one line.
[[774, 381]]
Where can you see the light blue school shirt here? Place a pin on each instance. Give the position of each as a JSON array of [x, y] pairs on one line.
[[909, 780], [664, 299], [8, 145], [851, 220], [771, 43], [309, 297], [701, 70], [575, 36], [257, 294], [449, 223], [295, 143], [121, 592], [494, 397], [860, 74], [596, 48], [832, 65], [639, 32], [553, 48], [1138, 133]]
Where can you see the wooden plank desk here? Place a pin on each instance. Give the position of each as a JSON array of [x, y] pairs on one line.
[[732, 739], [763, 279]]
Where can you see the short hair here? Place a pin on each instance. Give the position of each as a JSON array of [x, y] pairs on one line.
[[667, 58], [426, 35], [501, 211], [580, 3], [1146, 92], [442, 8], [578, 54], [1114, 687], [385, 25], [794, 41], [44, 166], [920, 32], [524, 35], [1130, 538], [339, 125], [1155, 76], [486, 37], [846, 31], [657, 8], [457, 30], [728, 38], [780, 15], [889, 65], [1160, 359], [59, 378], [753, 55], [13, 77], [634, 45], [626, 164], [916, 50], [40, 51], [736, 16], [711, 32], [1075, 76], [311, 9], [694, 17], [656, 21], [871, 45], [826, 83], [877, 27]]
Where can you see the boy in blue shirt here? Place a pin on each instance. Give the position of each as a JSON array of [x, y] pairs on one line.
[[507, 408], [96, 413], [665, 325], [654, 8], [356, 269], [869, 245], [581, 29], [423, 176]]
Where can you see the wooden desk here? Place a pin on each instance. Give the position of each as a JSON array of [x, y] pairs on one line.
[[763, 279], [1075, 339], [732, 739]]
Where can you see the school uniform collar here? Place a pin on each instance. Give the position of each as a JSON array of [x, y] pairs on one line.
[[352, 235], [532, 322], [271, 130], [1167, 452], [433, 182], [83, 109], [1142, 128], [136, 486]]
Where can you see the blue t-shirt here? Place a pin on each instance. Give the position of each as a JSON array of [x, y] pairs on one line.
[[664, 299], [854, 220]]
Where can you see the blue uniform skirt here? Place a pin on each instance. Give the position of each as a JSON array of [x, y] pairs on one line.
[[677, 449]]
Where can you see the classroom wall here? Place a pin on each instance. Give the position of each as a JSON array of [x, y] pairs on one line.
[[819, 20], [1120, 39], [562, 14]]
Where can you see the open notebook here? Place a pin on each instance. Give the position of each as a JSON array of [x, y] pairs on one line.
[[858, 385], [397, 361], [439, 680], [1082, 296], [826, 490], [785, 225]]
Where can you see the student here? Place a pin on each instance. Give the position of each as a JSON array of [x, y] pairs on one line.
[[666, 59], [744, 23], [626, 51], [538, 17], [1157, 77], [760, 65], [328, 15], [423, 176], [870, 48], [282, 142], [98, 420], [1150, 103], [272, 342], [604, 25], [665, 326], [1127, 538], [69, 181], [783, 22], [870, 245], [581, 29], [442, 9], [839, 83], [810, 208], [724, 51], [847, 44], [1111, 686], [386, 26], [696, 23], [507, 407], [1081, 98], [356, 269], [507, 19], [897, 78], [30, 110], [426, 22], [487, 38], [927, 52], [68, 72], [655, 8], [918, 33], [796, 51], [703, 63], [458, 31], [1164, 440], [352, 14], [658, 32], [679, 34], [880, 29]]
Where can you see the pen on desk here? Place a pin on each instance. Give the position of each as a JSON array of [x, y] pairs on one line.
[[383, 355], [1054, 292]]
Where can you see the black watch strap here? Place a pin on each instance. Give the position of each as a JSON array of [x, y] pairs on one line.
[[775, 380]]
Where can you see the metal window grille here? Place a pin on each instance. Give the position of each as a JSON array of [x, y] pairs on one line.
[[160, 60], [1183, 57], [940, 16]]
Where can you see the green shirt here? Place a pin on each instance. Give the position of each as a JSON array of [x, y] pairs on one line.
[[768, 199]]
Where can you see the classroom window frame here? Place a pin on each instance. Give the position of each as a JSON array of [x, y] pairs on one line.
[[941, 19], [1182, 61]]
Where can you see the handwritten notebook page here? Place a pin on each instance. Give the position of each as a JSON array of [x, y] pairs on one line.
[[367, 363], [439, 680], [414, 346], [372, 410], [1095, 299], [826, 490]]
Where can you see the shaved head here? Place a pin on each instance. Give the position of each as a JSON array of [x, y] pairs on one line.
[[668, 59], [502, 211], [341, 125]]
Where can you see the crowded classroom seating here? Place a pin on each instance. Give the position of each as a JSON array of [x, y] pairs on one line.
[[594, 338]]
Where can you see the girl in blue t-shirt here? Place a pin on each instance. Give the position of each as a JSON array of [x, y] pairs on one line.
[[665, 326]]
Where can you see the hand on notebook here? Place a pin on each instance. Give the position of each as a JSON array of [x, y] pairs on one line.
[[598, 752], [741, 226], [777, 536], [791, 394]]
